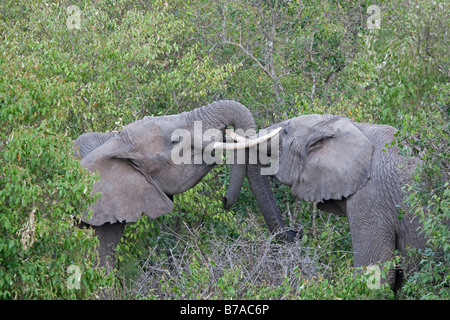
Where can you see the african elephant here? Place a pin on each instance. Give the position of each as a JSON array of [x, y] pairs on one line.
[[141, 168], [348, 170]]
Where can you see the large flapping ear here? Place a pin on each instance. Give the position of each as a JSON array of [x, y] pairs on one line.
[[337, 162], [126, 193]]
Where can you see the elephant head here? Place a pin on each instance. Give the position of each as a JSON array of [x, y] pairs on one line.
[[323, 157], [320, 157], [137, 166]]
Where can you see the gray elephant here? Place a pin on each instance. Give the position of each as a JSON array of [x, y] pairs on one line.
[[141, 167], [347, 168]]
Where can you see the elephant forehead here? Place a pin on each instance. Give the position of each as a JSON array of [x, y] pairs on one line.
[[308, 120], [312, 122], [162, 126], [153, 131], [302, 125]]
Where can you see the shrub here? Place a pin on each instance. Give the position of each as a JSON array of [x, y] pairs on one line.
[[428, 197], [43, 191], [246, 267]]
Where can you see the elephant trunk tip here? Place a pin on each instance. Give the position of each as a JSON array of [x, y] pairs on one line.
[[290, 235], [228, 203]]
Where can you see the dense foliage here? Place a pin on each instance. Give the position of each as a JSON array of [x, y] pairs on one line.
[[62, 75]]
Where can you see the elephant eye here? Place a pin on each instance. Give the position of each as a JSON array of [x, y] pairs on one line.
[[316, 145], [134, 163]]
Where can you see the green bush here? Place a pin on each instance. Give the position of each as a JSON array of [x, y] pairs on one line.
[[426, 136], [43, 191]]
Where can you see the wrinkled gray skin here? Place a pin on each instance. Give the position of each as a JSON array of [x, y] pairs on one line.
[[345, 167], [137, 174]]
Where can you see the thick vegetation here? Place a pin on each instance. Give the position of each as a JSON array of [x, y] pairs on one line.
[[97, 67]]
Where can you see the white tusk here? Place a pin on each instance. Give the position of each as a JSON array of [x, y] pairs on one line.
[[235, 136], [244, 143]]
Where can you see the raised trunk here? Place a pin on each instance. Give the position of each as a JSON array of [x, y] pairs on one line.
[[220, 115]]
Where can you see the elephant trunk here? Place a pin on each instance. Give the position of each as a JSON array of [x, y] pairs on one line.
[[220, 115], [267, 203]]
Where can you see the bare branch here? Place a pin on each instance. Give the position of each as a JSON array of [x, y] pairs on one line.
[[247, 53]]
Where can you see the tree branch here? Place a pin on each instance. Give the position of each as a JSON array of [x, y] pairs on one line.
[[339, 69], [251, 56]]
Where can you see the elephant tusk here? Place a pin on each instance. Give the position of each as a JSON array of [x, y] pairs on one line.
[[244, 142], [235, 136]]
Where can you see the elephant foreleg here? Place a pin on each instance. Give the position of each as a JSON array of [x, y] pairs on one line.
[[109, 236], [374, 242]]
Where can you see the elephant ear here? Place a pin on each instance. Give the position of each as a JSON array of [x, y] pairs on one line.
[[126, 193], [90, 141], [338, 162]]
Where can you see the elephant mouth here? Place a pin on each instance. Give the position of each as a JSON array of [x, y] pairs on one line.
[[281, 175], [280, 156]]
